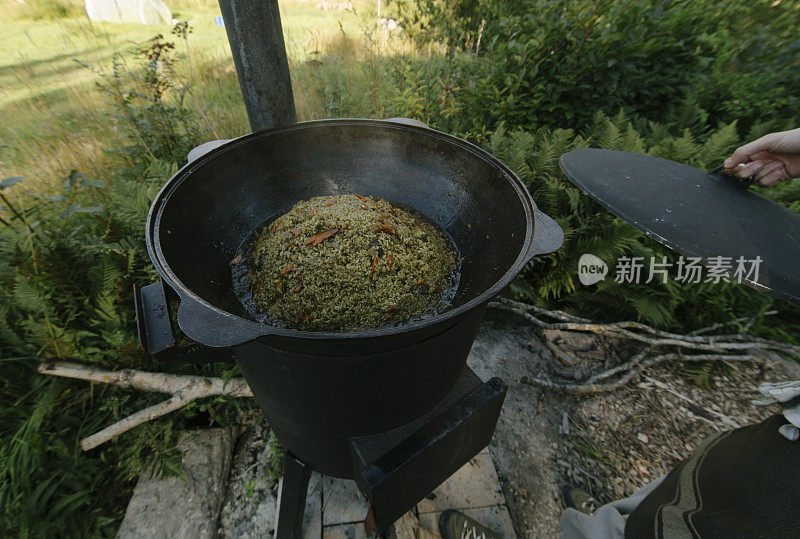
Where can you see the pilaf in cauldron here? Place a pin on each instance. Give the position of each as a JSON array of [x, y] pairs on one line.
[[348, 263]]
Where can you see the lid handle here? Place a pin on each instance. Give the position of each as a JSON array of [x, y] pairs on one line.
[[717, 172]]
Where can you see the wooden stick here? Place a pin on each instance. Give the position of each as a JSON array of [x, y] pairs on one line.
[[725, 419], [647, 334], [183, 388], [158, 382], [177, 401], [748, 319], [589, 325], [631, 370], [562, 355]]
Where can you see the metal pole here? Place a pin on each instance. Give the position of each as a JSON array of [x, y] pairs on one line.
[[256, 38]]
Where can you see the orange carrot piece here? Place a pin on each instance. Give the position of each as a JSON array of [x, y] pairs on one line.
[[322, 236], [374, 262]]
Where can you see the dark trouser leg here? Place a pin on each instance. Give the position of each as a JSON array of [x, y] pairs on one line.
[[292, 499]]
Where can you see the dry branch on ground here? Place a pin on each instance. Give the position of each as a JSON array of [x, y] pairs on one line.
[[183, 388], [657, 346]]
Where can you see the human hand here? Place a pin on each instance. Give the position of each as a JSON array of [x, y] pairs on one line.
[[772, 159]]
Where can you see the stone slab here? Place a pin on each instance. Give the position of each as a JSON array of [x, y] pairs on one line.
[[248, 510], [312, 518], [474, 485], [524, 442], [344, 531], [178, 508], [342, 502]]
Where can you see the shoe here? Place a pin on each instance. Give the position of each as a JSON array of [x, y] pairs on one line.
[[578, 499], [456, 525]]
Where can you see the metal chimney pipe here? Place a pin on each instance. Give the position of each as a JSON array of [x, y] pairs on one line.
[[259, 53]]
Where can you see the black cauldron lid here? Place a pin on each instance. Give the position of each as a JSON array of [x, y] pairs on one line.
[[696, 213]]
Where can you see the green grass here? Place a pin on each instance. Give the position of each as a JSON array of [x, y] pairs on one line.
[[54, 120], [37, 57]]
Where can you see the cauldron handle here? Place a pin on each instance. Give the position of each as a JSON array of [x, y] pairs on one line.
[[204, 148], [214, 327], [408, 121], [211, 328], [547, 235], [155, 333]]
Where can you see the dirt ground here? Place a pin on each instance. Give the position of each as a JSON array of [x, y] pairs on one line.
[[611, 443]]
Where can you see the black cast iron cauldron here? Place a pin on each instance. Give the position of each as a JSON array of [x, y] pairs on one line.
[[319, 389]]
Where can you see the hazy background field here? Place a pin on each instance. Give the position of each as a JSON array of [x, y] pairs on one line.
[[51, 54]]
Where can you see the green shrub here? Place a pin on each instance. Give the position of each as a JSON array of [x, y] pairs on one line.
[[753, 74], [156, 129], [555, 64]]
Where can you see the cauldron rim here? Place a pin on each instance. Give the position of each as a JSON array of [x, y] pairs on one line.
[[156, 255]]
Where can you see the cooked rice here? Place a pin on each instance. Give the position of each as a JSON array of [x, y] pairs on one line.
[[347, 263]]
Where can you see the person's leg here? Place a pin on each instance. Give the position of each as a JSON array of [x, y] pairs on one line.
[[608, 521]]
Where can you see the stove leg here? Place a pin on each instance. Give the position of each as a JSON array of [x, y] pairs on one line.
[[292, 499]]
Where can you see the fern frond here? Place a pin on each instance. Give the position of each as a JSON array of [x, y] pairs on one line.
[[718, 146]]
